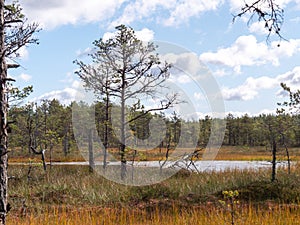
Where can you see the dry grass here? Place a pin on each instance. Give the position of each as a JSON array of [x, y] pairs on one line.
[[257, 153], [72, 195], [283, 215]]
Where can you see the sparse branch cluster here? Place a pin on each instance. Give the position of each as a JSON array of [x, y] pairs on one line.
[[294, 99], [18, 32], [267, 11]]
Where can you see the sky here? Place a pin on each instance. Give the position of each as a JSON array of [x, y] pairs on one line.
[[244, 68]]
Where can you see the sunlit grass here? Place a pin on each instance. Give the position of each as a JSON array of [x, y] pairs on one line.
[[248, 215], [73, 195]]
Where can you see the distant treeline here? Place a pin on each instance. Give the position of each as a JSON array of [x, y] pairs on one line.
[[49, 125]]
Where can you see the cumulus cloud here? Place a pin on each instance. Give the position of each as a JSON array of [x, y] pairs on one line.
[[185, 66], [144, 35], [138, 10], [291, 79], [246, 51], [184, 10], [65, 96], [175, 12], [53, 13], [251, 87]]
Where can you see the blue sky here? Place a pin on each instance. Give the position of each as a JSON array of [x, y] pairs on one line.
[[247, 69]]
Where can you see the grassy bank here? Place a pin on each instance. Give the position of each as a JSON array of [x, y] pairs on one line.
[[73, 194]]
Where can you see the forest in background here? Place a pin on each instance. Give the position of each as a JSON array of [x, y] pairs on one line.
[[49, 126]]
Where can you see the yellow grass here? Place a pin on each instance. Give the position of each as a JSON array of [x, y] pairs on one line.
[[258, 153], [285, 215]]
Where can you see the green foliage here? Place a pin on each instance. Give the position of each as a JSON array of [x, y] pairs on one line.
[[51, 124]]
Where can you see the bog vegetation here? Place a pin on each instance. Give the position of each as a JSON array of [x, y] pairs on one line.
[[71, 194]]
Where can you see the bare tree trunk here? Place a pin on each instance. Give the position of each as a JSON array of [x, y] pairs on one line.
[[106, 131], [274, 153], [91, 152], [42, 152], [3, 121], [288, 158], [287, 153], [161, 165], [66, 140], [50, 158], [123, 138]]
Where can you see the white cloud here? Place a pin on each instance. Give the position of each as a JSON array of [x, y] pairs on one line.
[[25, 77], [185, 66], [184, 10], [144, 35], [53, 13], [236, 5], [139, 10], [291, 79], [108, 35], [241, 114], [65, 96], [251, 87], [258, 28], [220, 73], [76, 84], [180, 78], [246, 51], [266, 112], [238, 113], [175, 12]]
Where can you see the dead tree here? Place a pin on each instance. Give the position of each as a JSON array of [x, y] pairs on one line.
[[91, 151], [135, 72], [42, 153], [187, 161], [15, 33], [163, 163], [3, 118]]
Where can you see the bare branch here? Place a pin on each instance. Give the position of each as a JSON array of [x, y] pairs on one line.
[[266, 11]]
